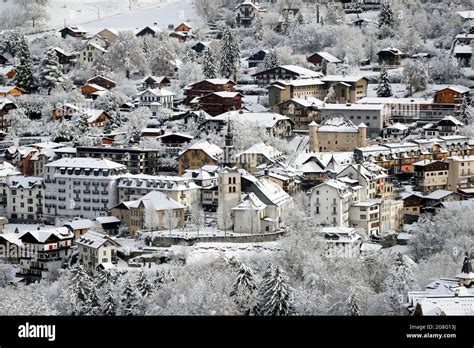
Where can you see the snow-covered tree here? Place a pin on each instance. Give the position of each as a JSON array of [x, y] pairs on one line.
[[50, 74], [190, 72], [63, 131], [465, 111], [333, 15], [151, 219], [270, 61], [415, 75], [129, 299], [275, 293], [197, 214], [126, 54], [144, 286], [209, 67], [353, 304], [230, 53], [109, 305], [244, 290], [19, 122], [258, 27], [137, 120], [384, 89], [386, 19], [24, 74], [170, 220], [444, 69]]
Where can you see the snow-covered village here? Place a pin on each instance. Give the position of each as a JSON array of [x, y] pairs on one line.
[[236, 157]]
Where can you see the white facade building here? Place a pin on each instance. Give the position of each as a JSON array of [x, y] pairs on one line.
[[25, 198], [81, 187], [96, 249]]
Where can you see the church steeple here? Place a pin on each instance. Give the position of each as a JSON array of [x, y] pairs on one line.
[[229, 150]]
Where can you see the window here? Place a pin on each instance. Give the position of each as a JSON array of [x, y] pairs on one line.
[[363, 217]]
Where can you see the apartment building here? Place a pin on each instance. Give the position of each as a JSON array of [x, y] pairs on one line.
[[431, 175], [137, 160], [25, 198], [461, 172], [81, 187]]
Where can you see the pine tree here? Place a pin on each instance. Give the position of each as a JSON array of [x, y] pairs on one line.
[[353, 304], [80, 286], [386, 17], [129, 299], [275, 294], [144, 286], [244, 289], [109, 307], [285, 24], [82, 124], [230, 54], [209, 67], [465, 111], [103, 277], [24, 73], [270, 61], [384, 89], [300, 18], [324, 66], [50, 73]]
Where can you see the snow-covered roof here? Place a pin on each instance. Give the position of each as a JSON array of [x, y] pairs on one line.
[[424, 163], [393, 50], [338, 124], [452, 119], [95, 240], [341, 187], [348, 106], [272, 192], [250, 202], [263, 119], [47, 145], [94, 114], [340, 234], [217, 81], [329, 57], [85, 162], [154, 200], [106, 219], [95, 45], [102, 77], [466, 14], [12, 238], [7, 169], [462, 158], [159, 92], [212, 150], [26, 182], [393, 100], [300, 70], [4, 102], [158, 182], [43, 234], [455, 88], [397, 126], [307, 102], [343, 78], [80, 224], [462, 49], [439, 194], [263, 149]]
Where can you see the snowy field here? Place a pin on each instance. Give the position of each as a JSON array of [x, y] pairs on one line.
[[95, 15]]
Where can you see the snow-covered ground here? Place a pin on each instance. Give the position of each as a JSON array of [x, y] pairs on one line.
[[95, 15]]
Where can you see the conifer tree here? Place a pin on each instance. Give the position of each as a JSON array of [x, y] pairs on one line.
[[109, 307], [258, 27], [50, 73], [275, 294], [271, 60], [129, 299], [24, 74], [386, 17], [144, 286], [209, 67], [244, 290], [353, 304], [384, 89], [230, 54], [465, 112]]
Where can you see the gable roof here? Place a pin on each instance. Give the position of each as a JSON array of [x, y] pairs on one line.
[[328, 57], [153, 200], [95, 240], [212, 150]]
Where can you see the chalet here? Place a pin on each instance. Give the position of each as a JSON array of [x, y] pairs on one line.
[[395, 131], [302, 111], [431, 175], [11, 242], [152, 31], [90, 52], [5, 106], [156, 99], [257, 58], [202, 88], [173, 141], [73, 32], [201, 46], [6, 91], [435, 198], [48, 251], [463, 54], [198, 155], [182, 32], [102, 81], [422, 55], [92, 91], [452, 95], [66, 59], [246, 12], [284, 72], [258, 155], [360, 23], [152, 82], [447, 126], [216, 103], [318, 58], [110, 224], [100, 41], [96, 117], [412, 204], [390, 57]]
